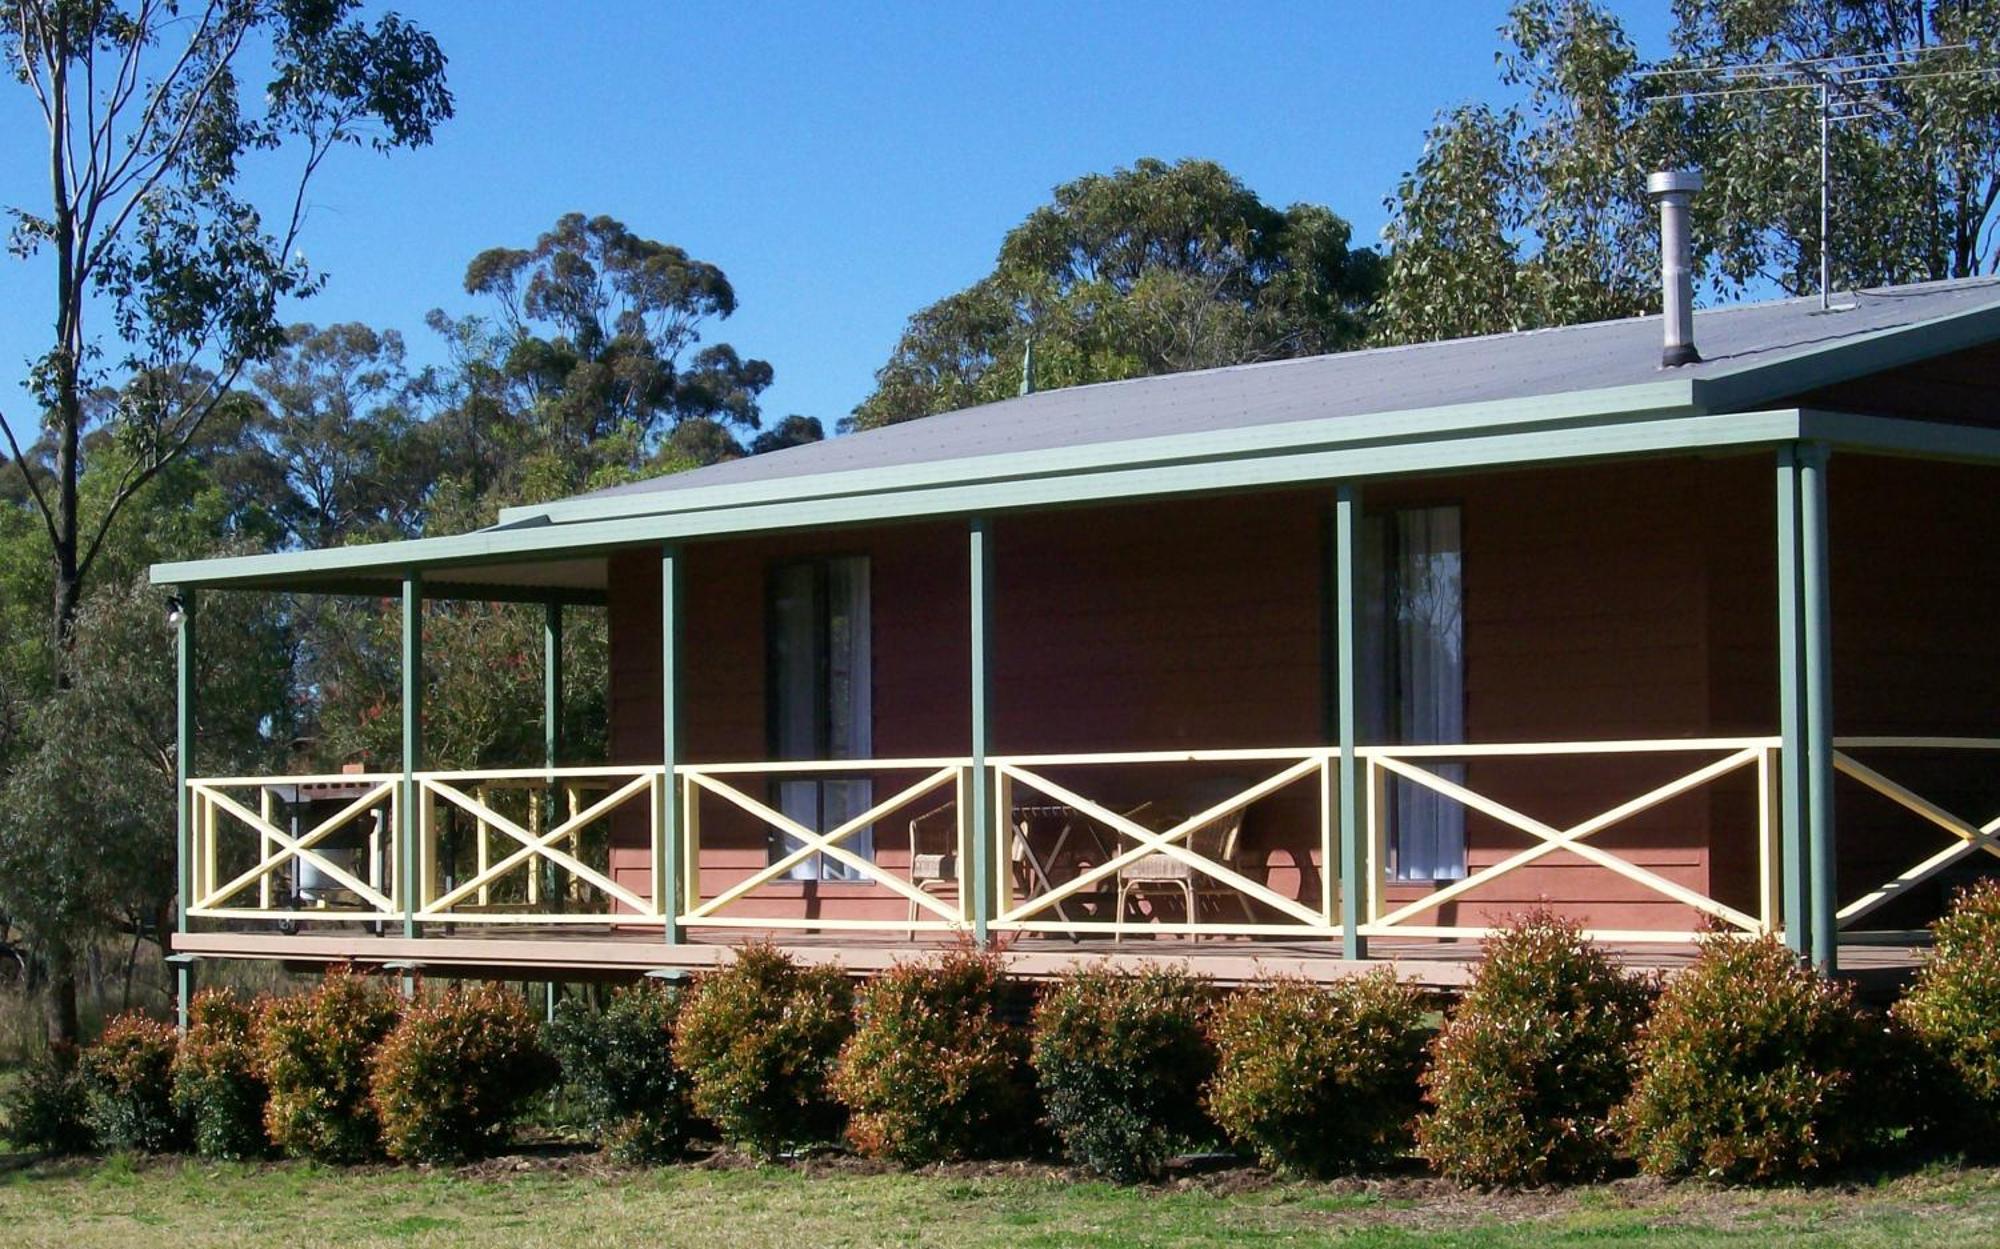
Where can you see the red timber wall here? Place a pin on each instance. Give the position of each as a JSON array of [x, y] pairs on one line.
[[1602, 602]]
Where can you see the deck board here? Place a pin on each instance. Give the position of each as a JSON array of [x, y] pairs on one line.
[[564, 953]]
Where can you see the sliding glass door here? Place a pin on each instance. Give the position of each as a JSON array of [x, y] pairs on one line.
[[820, 671]]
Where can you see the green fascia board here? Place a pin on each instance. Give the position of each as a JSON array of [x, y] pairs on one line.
[[1897, 436], [1410, 425], [349, 568]]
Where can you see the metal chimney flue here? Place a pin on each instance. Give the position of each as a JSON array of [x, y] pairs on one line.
[[1673, 189]]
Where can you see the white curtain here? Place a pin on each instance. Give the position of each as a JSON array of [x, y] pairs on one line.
[[822, 682], [1412, 680]]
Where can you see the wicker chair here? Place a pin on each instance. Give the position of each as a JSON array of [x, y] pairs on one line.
[[1218, 840]]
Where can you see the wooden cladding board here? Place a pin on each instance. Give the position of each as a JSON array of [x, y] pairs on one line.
[[1601, 603]]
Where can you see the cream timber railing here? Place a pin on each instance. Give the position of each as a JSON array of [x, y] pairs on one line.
[[363, 824], [551, 824], [1967, 837], [1152, 841], [728, 782], [1384, 763]]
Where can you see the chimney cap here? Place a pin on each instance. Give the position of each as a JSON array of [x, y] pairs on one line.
[[1674, 181]]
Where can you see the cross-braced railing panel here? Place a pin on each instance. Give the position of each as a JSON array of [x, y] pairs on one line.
[[726, 783], [1141, 856], [1967, 836], [552, 863], [286, 849], [1384, 763]]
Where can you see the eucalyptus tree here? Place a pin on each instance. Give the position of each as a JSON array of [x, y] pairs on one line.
[[1157, 268], [1534, 213], [164, 277]]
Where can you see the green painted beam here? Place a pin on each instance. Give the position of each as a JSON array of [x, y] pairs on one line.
[[668, 869], [184, 744], [1566, 444], [1897, 436], [984, 820], [413, 750], [1354, 865], [552, 743], [1794, 889], [1816, 624]]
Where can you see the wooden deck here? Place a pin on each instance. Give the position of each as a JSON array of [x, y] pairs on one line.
[[611, 953]]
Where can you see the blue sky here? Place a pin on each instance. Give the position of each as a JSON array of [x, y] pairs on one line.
[[844, 164]]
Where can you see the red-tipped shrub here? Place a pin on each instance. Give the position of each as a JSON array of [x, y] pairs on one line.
[[1319, 1079], [128, 1085], [217, 1090], [933, 1073], [455, 1072], [1526, 1073], [758, 1038], [313, 1051], [1952, 1014], [1754, 1068], [1122, 1059]]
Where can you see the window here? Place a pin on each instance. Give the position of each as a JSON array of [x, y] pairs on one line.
[[1412, 675], [822, 699]]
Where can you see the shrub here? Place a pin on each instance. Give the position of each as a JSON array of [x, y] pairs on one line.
[[217, 1091], [128, 1081], [1751, 1070], [455, 1072], [313, 1051], [758, 1040], [1319, 1080], [1527, 1071], [46, 1108], [1122, 1058], [619, 1062], [933, 1073], [1952, 1013]]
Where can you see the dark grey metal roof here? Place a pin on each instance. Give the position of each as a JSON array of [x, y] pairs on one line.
[[1521, 365]]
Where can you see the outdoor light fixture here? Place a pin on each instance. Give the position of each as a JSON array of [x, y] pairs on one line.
[[176, 611]]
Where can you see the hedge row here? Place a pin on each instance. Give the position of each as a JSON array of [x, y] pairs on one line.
[[1555, 1066]]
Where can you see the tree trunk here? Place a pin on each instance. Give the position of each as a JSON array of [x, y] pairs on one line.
[[65, 1031]]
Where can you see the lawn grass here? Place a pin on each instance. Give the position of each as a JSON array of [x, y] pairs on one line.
[[576, 1202]]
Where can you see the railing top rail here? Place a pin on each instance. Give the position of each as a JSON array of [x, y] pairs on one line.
[[827, 765], [1917, 743], [608, 770], [314, 778], [1641, 746], [1291, 754]]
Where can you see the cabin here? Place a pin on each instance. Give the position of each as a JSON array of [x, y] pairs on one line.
[[1289, 667]]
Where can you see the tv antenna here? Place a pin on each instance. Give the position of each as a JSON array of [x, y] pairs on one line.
[[1848, 87]]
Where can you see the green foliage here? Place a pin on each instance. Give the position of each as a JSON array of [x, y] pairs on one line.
[[455, 1072], [46, 1109], [1754, 1068], [1156, 268], [1319, 1080], [1122, 1059], [128, 1083], [933, 1072], [314, 1051], [759, 1038], [1536, 213], [217, 1090], [1527, 1071], [1952, 1012], [619, 1062]]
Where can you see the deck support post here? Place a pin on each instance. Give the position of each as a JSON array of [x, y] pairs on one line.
[[1805, 706], [552, 710], [184, 725], [985, 821], [669, 885], [1816, 623], [410, 821], [1354, 864]]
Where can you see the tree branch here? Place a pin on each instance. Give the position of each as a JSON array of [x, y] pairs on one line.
[[34, 488]]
